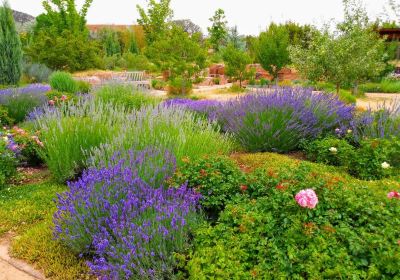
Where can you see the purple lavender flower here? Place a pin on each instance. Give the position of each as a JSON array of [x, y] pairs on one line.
[[21, 101], [124, 216], [277, 119], [29, 89], [382, 123], [205, 107]]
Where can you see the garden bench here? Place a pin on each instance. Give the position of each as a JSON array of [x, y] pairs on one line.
[[135, 78]]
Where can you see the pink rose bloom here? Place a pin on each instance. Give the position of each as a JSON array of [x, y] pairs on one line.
[[64, 97], [307, 198], [393, 194], [51, 102]]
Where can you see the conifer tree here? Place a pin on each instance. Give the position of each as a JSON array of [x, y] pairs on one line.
[[10, 48]]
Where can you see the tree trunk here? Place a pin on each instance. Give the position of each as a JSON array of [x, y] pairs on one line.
[[355, 89], [337, 89]]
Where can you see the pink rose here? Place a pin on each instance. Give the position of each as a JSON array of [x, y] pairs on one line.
[[307, 198], [393, 194], [52, 102], [64, 97]]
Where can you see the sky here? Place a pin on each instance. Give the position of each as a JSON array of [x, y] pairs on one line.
[[251, 16]]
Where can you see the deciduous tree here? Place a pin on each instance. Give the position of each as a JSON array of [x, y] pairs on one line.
[[218, 30], [156, 20], [273, 53]]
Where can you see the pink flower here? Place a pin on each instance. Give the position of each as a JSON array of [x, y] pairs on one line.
[[52, 102], [393, 194], [307, 198], [64, 97]]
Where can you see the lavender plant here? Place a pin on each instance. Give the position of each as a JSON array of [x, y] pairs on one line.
[[203, 107], [170, 128], [382, 123], [125, 218], [277, 120], [21, 101], [73, 128]]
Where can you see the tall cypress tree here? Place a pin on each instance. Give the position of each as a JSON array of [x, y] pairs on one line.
[[10, 48]]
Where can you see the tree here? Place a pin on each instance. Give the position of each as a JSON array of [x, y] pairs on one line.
[[352, 54], [188, 26], [218, 30], [273, 52], [178, 53], [235, 39], [110, 41], [236, 61], [156, 20], [298, 34], [10, 48], [60, 38]]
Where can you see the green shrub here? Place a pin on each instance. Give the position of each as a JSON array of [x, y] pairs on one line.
[[19, 102], [64, 82], [84, 87], [8, 163], [73, 129], [36, 72], [332, 151], [218, 179], [158, 85], [352, 232], [368, 161], [264, 82], [125, 95], [385, 86], [236, 89], [58, 95], [30, 147], [5, 120], [138, 62], [175, 129], [180, 86], [347, 96]]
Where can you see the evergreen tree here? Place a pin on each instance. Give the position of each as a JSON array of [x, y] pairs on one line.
[[10, 48], [133, 46]]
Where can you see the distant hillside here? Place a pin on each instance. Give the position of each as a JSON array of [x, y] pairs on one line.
[[23, 21]]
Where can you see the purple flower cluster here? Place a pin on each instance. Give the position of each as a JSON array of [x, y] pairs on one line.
[[206, 107], [29, 89], [10, 144], [383, 123], [277, 119], [125, 218], [21, 101]]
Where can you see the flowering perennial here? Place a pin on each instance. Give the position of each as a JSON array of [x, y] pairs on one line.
[[123, 216], [307, 198], [393, 194], [277, 119]]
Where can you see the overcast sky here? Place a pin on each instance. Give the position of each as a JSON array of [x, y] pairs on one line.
[[250, 16]]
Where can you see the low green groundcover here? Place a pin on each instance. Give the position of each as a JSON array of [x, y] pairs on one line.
[[352, 233]]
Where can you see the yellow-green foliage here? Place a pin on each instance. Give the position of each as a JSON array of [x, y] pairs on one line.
[[37, 246]]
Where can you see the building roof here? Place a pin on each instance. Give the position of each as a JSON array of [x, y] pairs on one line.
[[391, 33]]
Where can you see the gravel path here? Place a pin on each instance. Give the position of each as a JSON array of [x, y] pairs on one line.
[[374, 100]]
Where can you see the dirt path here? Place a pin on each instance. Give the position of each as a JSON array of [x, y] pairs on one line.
[[13, 269], [374, 100]]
